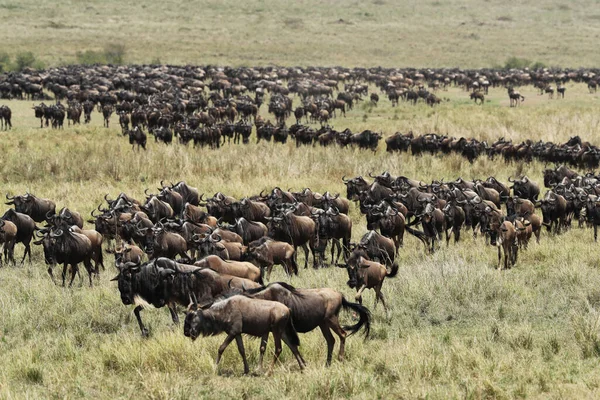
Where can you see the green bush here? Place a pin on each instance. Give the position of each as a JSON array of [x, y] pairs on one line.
[[516, 62], [520, 63], [24, 60], [115, 53], [4, 62], [112, 54]]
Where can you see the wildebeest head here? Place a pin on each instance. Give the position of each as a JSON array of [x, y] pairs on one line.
[[355, 186], [125, 281]]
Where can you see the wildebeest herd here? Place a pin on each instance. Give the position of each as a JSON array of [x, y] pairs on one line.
[[209, 105], [214, 255]]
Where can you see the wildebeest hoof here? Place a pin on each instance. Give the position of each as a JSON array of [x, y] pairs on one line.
[[145, 333]]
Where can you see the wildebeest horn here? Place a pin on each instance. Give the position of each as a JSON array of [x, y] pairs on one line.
[[344, 179], [215, 240], [49, 215], [56, 233], [161, 183], [510, 180], [8, 197], [106, 198], [146, 192], [371, 175]]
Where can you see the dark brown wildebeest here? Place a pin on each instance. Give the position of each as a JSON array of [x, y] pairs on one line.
[[165, 282], [171, 197], [107, 111], [68, 248], [74, 113], [478, 96], [295, 230], [195, 214], [560, 90], [8, 234], [189, 193], [554, 210], [137, 136], [389, 221], [365, 274], [525, 188], [503, 234], [355, 186], [252, 210], [160, 243], [268, 252], [248, 231], [124, 121], [5, 117], [374, 98], [312, 308], [212, 244], [454, 218], [515, 97], [96, 240], [239, 315], [25, 229], [335, 226], [127, 253], [157, 209], [37, 208]]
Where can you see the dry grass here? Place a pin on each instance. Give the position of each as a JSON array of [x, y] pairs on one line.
[[452, 33], [458, 327]]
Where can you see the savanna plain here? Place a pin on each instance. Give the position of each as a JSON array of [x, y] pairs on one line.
[[458, 328]]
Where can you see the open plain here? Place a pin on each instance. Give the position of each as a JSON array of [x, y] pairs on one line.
[[458, 327]]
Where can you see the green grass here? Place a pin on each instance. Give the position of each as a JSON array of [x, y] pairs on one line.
[[458, 327], [454, 33]]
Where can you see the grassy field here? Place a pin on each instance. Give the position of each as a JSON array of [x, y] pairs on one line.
[[458, 327], [414, 33]]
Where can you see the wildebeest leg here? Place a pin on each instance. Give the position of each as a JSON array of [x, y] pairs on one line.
[[64, 274], [305, 248], [330, 341], [294, 350], [89, 269], [173, 311], [51, 274], [358, 296], [224, 345], [595, 233], [334, 324], [136, 311], [379, 294], [263, 347], [240, 344], [499, 256], [74, 271], [276, 339]]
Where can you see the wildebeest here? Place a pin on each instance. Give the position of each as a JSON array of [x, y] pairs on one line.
[[165, 282], [312, 308], [525, 188], [63, 246], [477, 96], [268, 252], [5, 117], [366, 274], [25, 229], [295, 230], [240, 269], [37, 208], [137, 136], [8, 233], [239, 315]]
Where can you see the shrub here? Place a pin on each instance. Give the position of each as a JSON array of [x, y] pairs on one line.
[[24, 60], [4, 62]]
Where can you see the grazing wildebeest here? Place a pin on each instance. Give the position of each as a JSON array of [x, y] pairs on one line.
[[312, 308], [239, 315], [477, 96]]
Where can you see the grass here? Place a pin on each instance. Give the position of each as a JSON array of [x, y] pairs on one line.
[[459, 328], [465, 33]]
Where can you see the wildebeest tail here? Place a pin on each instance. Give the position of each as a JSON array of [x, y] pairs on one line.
[[394, 271], [418, 234], [364, 317], [291, 334]]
